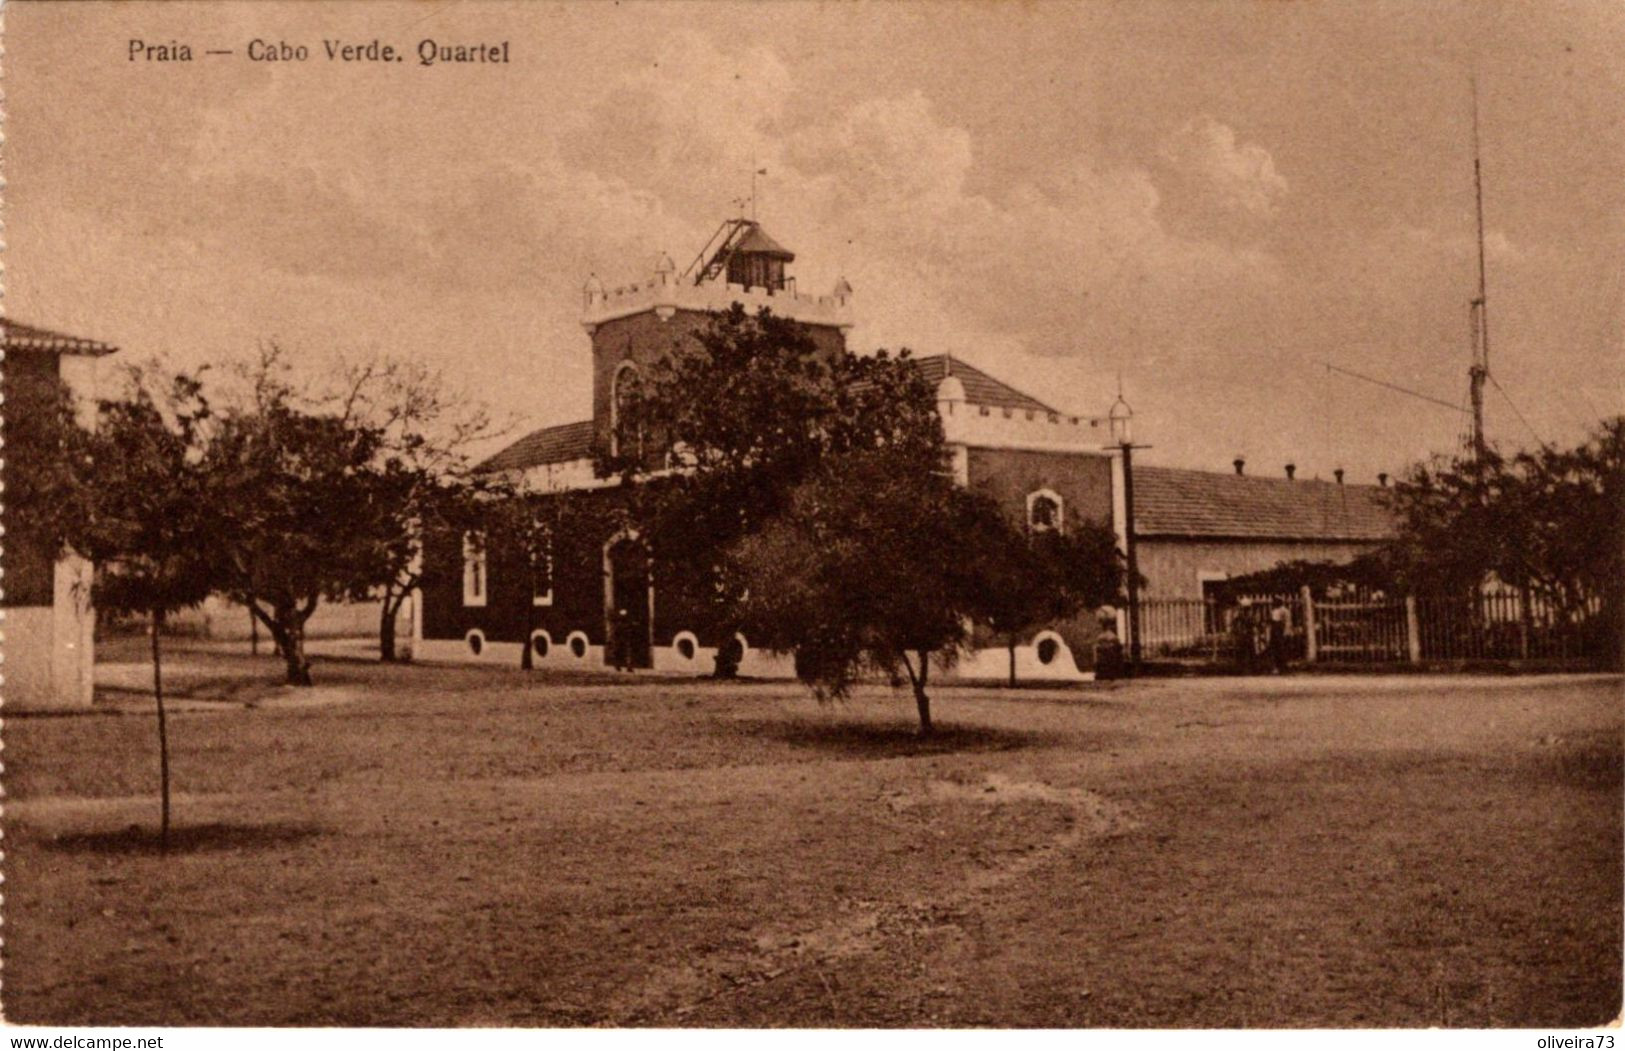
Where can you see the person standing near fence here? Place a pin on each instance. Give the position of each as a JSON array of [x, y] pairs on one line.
[[1280, 616], [1244, 636]]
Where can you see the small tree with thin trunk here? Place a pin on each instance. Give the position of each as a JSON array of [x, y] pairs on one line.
[[872, 567], [151, 526]]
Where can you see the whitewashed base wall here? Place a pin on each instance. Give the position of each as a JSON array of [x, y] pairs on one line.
[[983, 664]]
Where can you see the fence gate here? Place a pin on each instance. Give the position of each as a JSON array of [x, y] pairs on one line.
[[1373, 630]]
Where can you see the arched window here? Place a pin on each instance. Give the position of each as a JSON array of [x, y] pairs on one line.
[[1044, 511], [625, 423]]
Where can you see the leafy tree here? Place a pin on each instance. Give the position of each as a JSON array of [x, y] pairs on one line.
[[1452, 532], [1548, 522], [1047, 577], [872, 566], [422, 479], [1373, 571], [151, 527], [304, 510], [44, 465], [749, 394], [748, 410], [1569, 506]]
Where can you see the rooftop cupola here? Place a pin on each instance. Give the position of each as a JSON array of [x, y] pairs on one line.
[[757, 261], [743, 254]]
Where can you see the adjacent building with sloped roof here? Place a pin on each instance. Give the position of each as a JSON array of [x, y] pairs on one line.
[[1195, 528], [49, 629]]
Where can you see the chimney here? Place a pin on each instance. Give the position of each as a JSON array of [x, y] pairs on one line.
[[1382, 479], [1291, 469], [1241, 464], [1338, 474]]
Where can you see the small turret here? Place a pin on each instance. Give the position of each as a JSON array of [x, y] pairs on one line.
[[757, 261]]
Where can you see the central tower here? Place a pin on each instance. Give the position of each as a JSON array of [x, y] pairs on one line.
[[634, 325]]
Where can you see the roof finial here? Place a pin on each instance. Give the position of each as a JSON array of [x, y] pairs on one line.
[[754, 172], [747, 205]]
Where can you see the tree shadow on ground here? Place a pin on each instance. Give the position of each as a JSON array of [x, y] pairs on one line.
[[184, 839], [880, 740]]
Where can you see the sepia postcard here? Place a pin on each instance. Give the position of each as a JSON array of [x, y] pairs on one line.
[[709, 516]]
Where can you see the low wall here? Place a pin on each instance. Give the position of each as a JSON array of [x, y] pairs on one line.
[[221, 619]]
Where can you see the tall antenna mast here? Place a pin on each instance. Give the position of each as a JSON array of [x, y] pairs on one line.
[[1478, 312]]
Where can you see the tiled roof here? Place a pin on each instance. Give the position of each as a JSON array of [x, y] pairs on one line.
[[980, 388], [573, 441], [1173, 502], [16, 336], [756, 242], [565, 442]]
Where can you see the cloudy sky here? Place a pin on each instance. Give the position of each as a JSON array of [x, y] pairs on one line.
[[1211, 201]]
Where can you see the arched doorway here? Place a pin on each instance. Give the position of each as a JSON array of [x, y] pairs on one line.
[[628, 603]]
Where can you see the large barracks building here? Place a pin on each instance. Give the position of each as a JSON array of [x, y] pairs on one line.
[[482, 602]]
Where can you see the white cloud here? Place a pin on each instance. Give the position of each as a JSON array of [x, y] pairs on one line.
[[880, 192], [1239, 177], [883, 191]]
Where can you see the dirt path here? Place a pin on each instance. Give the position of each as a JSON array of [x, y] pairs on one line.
[[677, 991]]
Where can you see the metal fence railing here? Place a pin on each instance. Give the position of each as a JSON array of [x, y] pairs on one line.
[[1504, 625], [1373, 627]]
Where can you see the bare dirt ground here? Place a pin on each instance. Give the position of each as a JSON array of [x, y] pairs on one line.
[[486, 847]]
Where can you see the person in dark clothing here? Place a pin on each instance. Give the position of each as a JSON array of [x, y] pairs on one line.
[[1279, 618], [620, 643], [1108, 650], [1247, 635]]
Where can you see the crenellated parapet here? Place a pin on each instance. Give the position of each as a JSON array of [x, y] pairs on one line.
[[1004, 427], [666, 292]]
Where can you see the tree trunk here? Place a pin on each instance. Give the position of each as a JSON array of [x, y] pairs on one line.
[[293, 654], [386, 628], [1012, 659], [922, 703], [270, 623], [163, 730]]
